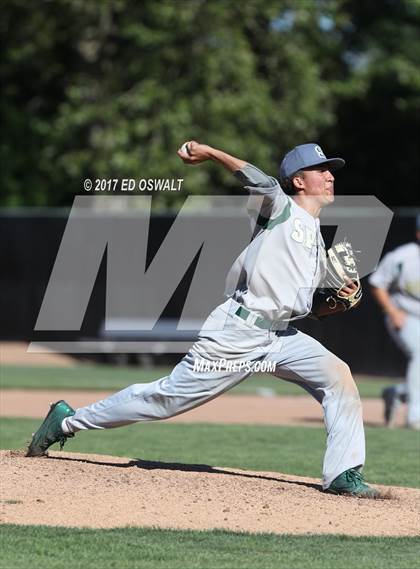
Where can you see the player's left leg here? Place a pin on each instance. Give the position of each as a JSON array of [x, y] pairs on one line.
[[209, 369], [303, 360], [183, 389]]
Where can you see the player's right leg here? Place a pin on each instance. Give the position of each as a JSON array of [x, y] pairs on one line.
[[303, 360]]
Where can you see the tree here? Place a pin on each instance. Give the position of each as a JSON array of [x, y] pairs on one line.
[[111, 89]]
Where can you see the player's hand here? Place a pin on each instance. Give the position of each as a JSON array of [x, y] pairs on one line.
[[192, 152], [349, 289], [397, 318]]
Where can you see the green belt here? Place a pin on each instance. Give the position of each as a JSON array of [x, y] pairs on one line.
[[259, 322]]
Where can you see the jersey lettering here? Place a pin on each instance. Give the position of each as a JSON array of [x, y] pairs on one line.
[[303, 234], [298, 234]]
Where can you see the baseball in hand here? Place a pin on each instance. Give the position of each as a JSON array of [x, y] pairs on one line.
[[185, 149]]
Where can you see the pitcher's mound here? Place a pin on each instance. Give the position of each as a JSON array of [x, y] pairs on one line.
[[68, 489]]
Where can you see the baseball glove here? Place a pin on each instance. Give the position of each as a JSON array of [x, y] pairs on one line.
[[341, 269]]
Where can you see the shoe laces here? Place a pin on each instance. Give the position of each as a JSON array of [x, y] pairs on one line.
[[353, 475], [63, 438]]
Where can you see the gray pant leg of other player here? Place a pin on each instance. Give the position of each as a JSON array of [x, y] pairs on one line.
[[408, 339], [303, 360]]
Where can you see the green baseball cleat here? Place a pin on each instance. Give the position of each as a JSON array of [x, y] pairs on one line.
[[50, 431], [351, 483]]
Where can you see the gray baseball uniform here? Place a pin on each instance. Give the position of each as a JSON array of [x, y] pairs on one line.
[[269, 285], [399, 274]]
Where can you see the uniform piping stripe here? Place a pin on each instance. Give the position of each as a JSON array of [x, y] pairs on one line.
[[269, 223]]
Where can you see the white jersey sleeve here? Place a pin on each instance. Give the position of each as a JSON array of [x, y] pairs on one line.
[[266, 197], [387, 272], [399, 274]]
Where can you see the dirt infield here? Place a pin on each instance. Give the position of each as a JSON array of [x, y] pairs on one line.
[[234, 409], [76, 490], [16, 353], [79, 490]]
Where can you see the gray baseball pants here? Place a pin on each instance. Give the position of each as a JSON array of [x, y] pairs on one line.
[[408, 339], [299, 358]]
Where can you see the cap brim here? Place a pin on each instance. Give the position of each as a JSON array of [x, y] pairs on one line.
[[336, 163], [332, 163]]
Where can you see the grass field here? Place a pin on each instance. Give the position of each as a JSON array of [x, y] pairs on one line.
[[135, 548], [292, 450], [114, 378], [393, 458]]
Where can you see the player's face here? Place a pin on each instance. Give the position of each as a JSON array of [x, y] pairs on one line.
[[319, 183]]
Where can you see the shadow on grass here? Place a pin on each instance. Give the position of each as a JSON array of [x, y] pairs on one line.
[[157, 465]]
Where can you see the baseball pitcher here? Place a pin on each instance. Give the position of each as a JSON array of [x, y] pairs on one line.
[[271, 284]]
